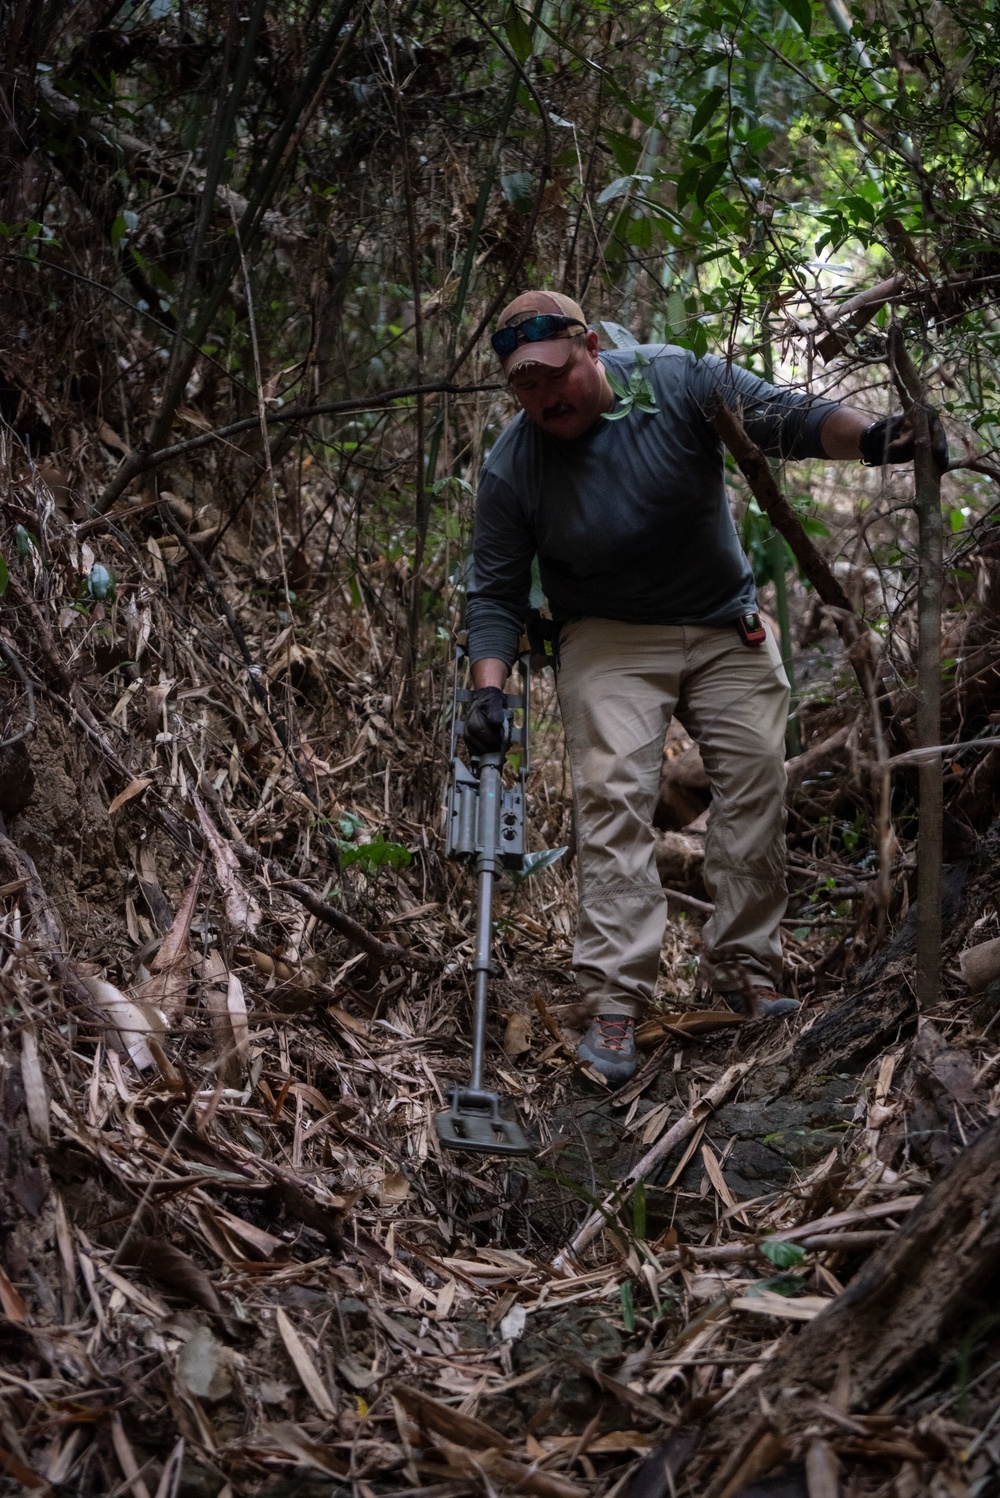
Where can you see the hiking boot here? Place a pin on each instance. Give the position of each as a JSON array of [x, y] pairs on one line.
[[609, 1047], [767, 1003]]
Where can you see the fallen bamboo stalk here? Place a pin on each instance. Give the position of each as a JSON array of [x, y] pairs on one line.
[[682, 1129], [870, 1237], [738, 1253], [849, 1217], [930, 556]]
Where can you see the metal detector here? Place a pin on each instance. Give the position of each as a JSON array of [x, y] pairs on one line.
[[484, 827]]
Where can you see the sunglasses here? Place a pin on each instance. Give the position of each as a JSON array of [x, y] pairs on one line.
[[533, 330]]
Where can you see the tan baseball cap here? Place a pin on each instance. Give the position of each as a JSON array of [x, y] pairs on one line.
[[554, 351]]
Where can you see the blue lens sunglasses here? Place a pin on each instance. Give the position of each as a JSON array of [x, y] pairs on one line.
[[533, 330]]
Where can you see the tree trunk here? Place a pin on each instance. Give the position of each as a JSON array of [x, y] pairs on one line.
[[910, 1305]]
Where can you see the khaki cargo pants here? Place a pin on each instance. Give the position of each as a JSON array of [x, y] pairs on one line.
[[618, 686]]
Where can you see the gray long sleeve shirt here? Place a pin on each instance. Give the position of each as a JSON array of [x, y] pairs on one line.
[[631, 520]]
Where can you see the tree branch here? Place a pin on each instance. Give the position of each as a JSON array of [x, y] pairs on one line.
[[930, 547], [139, 462]]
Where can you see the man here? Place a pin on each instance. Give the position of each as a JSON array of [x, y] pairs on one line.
[[624, 503]]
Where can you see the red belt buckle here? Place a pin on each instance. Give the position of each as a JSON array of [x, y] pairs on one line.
[[750, 628]]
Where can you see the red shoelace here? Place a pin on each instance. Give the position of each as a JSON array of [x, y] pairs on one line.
[[615, 1031]]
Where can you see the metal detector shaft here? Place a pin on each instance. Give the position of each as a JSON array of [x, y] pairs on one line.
[[488, 853], [485, 828], [484, 923]]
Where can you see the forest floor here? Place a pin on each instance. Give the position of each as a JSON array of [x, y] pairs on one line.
[[237, 1260]]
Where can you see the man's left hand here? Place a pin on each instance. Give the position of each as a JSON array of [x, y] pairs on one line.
[[891, 441], [487, 723]]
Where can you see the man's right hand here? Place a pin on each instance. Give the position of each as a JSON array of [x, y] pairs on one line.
[[891, 440], [487, 722]]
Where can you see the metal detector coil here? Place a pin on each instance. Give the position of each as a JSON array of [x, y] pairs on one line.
[[474, 1122], [484, 827]]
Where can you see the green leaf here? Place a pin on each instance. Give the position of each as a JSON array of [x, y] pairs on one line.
[[616, 189], [518, 34], [782, 1255], [620, 337], [124, 225], [639, 1211], [800, 12], [686, 184], [537, 863], [624, 149], [620, 389], [101, 583], [707, 105], [759, 137], [709, 181], [628, 1306], [4, 576], [640, 232], [642, 393], [519, 190], [375, 855], [23, 541]]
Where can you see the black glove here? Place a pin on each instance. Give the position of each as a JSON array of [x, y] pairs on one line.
[[891, 441], [486, 723]]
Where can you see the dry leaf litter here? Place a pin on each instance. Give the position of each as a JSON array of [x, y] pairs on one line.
[[236, 1259]]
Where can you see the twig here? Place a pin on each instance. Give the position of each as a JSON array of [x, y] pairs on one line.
[[140, 462], [384, 952], [741, 1253], [12, 660], [757, 471], [688, 902]]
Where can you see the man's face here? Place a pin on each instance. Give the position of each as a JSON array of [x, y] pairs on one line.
[[565, 402]]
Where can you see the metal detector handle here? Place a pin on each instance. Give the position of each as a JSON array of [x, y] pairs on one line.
[[517, 735], [472, 831]]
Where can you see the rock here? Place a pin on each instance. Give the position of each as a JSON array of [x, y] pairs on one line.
[[680, 861], [752, 1168], [354, 1312], [551, 1337], [981, 965], [203, 1366]]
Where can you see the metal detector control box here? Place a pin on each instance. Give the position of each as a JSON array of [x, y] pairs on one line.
[[464, 837]]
